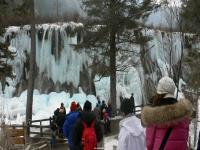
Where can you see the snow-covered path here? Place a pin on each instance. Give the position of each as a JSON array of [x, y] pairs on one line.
[[110, 142]]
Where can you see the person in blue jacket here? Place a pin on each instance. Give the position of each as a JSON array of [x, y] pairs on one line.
[[68, 126]]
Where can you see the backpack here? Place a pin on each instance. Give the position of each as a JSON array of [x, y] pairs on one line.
[[105, 117], [89, 137]]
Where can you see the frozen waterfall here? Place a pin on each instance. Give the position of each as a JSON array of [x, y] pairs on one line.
[[57, 60]]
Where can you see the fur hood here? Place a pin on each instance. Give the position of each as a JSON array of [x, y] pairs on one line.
[[166, 114]]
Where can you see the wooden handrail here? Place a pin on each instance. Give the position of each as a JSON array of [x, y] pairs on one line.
[[139, 106], [41, 120], [12, 126], [38, 126], [41, 127], [44, 133]]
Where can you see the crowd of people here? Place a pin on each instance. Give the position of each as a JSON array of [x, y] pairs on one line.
[[71, 125], [162, 125]]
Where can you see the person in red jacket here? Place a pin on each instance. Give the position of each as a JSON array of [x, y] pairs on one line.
[[164, 114]]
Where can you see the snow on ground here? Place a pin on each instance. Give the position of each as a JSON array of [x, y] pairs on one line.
[[13, 109], [110, 142], [44, 105]]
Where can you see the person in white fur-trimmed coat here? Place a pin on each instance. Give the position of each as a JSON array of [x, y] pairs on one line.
[[132, 134]]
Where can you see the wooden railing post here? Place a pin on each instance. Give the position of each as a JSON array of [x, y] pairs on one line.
[[25, 130], [50, 121], [41, 134], [28, 131]]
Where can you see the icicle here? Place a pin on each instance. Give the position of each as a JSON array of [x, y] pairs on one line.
[[55, 57]]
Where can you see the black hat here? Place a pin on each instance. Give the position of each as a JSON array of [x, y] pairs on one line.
[[87, 106], [127, 106]]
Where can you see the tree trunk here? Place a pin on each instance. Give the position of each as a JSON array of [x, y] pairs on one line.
[[93, 89], [113, 71], [180, 63], [32, 68], [170, 53], [196, 97], [171, 44]]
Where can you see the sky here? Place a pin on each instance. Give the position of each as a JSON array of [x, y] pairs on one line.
[[51, 8]]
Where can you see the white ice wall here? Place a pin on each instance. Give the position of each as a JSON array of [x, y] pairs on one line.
[[66, 69]]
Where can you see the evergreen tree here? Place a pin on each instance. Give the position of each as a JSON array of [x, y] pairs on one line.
[[23, 9], [110, 28], [190, 15], [5, 53], [193, 83], [193, 60], [191, 19]]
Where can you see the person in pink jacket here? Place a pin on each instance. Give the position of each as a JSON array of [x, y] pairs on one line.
[[166, 112]]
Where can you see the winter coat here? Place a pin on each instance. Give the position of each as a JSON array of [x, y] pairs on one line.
[[68, 126], [88, 118], [62, 110], [53, 126], [97, 113], [131, 135], [109, 110], [60, 119], [103, 106], [105, 117], [158, 119]]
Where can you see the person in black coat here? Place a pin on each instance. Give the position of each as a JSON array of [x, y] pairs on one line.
[[88, 117], [60, 122], [133, 101], [103, 106]]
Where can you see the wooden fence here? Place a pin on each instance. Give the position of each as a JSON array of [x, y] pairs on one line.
[[13, 136], [39, 128], [19, 134]]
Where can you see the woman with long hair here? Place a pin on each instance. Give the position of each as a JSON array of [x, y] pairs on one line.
[[167, 120]]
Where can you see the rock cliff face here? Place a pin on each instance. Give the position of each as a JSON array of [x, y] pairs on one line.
[[61, 68]]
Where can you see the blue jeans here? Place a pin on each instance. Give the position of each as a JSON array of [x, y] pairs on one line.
[[53, 138]]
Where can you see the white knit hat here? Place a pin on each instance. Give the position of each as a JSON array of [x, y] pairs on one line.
[[166, 85]]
